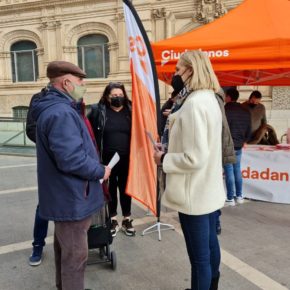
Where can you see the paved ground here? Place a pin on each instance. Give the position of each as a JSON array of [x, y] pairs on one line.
[[255, 244], [29, 151]]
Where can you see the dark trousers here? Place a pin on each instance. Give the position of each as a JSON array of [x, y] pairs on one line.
[[71, 253], [202, 247], [118, 180], [39, 230]]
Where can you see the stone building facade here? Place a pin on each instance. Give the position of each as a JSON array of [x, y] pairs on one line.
[[92, 34]]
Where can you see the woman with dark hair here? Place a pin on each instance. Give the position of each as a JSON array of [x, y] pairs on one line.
[[111, 123]]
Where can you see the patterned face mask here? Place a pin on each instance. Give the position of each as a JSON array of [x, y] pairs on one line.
[[78, 91]]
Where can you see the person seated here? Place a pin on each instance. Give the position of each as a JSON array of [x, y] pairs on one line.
[[258, 114], [265, 135]]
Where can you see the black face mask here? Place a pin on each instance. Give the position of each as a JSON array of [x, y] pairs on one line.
[[177, 83], [117, 102], [252, 105]]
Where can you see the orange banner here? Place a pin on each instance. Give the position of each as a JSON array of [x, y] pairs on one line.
[[142, 179], [142, 183]]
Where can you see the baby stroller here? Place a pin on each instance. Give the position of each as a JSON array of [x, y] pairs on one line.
[[100, 237]]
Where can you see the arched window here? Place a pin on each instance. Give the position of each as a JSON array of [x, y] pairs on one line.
[[24, 61], [93, 55]]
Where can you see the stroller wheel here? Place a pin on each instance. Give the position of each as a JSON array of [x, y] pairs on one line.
[[113, 260]]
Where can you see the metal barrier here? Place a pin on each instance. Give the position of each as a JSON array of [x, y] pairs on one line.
[[11, 130]]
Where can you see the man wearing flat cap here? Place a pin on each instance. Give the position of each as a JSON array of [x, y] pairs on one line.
[[68, 171]]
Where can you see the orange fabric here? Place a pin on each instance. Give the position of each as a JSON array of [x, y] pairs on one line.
[[142, 179], [248, 46]]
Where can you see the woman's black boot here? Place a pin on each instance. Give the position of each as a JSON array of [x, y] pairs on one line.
[[214, 283]]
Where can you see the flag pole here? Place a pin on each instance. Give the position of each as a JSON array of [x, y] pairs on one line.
[[158, 226], [134, 25]]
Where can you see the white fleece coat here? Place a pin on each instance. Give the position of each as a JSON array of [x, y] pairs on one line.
[[193, 164]]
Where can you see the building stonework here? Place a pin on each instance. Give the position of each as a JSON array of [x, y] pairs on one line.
[[281, 98], [55, 28], [208, 10]]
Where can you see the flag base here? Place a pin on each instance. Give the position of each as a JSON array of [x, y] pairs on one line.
[[158, 227]]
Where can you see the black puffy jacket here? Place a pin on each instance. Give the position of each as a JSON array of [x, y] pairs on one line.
[[97, 118], [30, 122]]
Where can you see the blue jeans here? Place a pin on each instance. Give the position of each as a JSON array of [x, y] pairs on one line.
[[39, 230], [233, 177], [202, 247], [218, 221]]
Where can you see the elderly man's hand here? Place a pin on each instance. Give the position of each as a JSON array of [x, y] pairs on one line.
[[107, 172]]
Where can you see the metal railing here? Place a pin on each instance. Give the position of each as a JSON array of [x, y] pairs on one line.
[[13, 132], [13, 129]]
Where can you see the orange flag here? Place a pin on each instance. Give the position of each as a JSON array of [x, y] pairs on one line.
[[142, 179]]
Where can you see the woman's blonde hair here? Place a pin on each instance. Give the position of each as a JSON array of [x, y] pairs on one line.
[[203, 76]]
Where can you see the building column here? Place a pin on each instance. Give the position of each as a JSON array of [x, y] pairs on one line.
[[70, 54], [51, 41], [280, 98], [160, 22], [159, 18], [40, 58], [122, 56], [114, 67], [5, 63], [279, 116]]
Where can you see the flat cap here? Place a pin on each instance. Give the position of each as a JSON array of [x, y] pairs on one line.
[[59, 68]]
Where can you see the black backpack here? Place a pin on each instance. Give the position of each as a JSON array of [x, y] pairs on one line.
[[30, 122]]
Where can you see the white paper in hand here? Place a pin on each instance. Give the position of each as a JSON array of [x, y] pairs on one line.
[[115, 159]]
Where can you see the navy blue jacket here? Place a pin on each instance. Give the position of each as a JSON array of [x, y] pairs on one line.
[[68, 166], [239, 120]]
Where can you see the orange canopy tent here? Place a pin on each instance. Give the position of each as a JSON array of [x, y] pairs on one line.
[[248, 46]]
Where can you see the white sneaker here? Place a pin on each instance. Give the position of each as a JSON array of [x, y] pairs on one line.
[[114, 227], [240, 200], [230, 202]]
